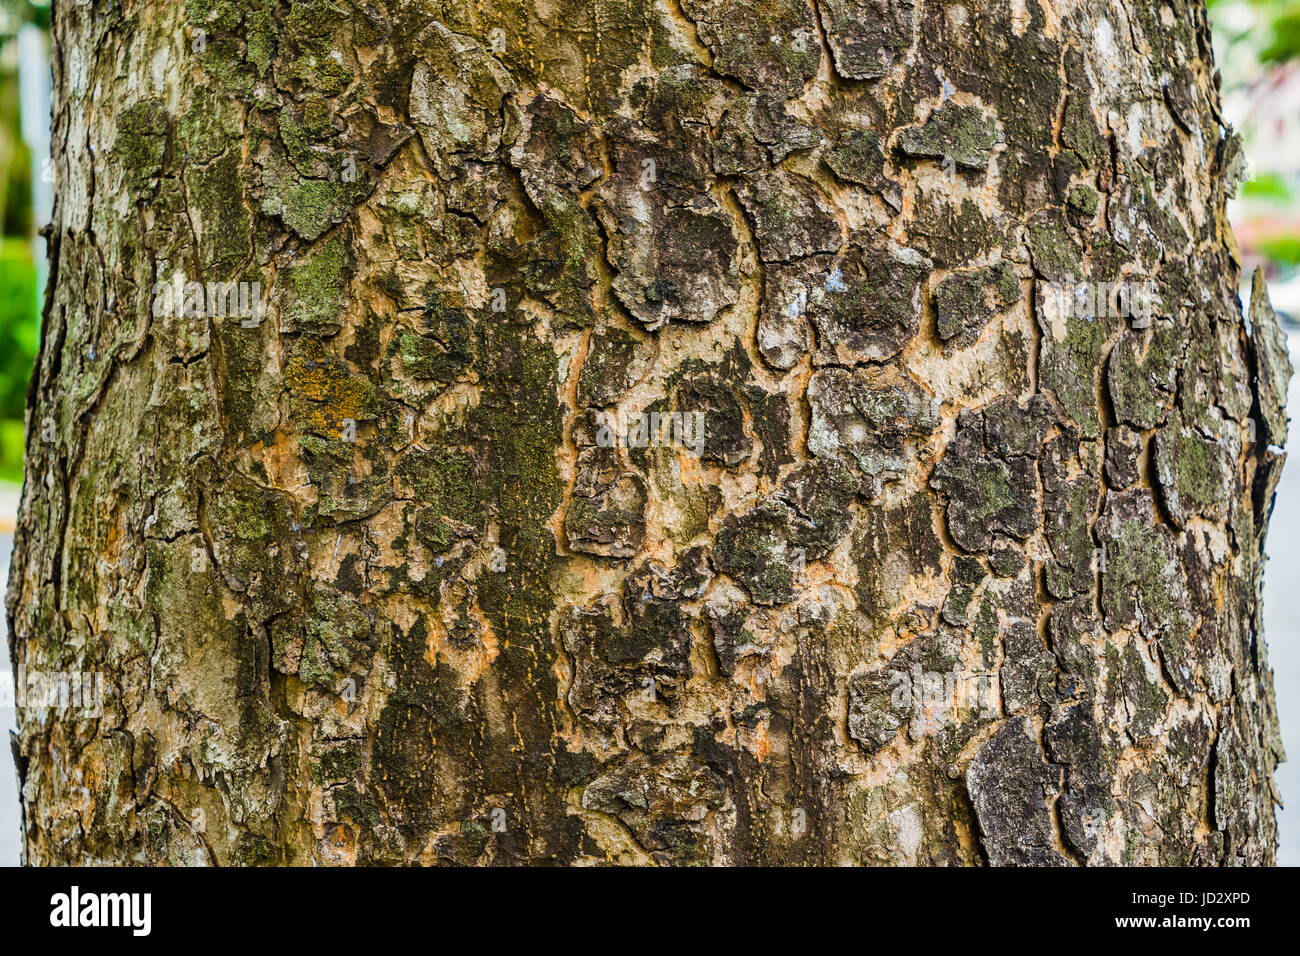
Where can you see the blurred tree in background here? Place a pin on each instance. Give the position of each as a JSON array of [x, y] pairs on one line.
[[1257, 49], [1284, 22]]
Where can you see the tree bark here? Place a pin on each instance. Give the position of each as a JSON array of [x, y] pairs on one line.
[[918, 561]]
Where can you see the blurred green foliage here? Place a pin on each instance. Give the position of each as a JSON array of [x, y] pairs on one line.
[[1286, 39], [19, 321], [19, 298], [11, 450], [1281, 249], [1279, 21], [28, 11], [1268, 186]]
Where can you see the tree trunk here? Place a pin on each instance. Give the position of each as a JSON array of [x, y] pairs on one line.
[[689, 432]]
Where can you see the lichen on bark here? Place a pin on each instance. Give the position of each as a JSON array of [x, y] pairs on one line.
[[397, 570]]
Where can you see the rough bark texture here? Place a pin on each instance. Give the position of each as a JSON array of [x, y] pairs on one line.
[[959, 577]]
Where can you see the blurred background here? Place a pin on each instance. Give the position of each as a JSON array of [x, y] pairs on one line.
[[1257, 47], [25, 202]]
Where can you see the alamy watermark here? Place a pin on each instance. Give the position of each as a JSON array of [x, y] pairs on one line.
[[74, 909], [215, 300], [935, 696], [1136, 301], [684, 430], [79, 692]]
